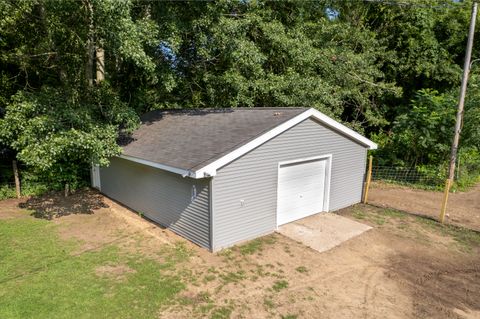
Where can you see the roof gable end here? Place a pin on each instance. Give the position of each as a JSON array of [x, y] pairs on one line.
[[211, 169]]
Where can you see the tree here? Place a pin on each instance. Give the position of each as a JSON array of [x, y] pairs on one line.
[[55, 120], [384, 68], [233, 54]]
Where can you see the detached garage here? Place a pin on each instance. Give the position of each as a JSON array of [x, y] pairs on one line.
[[222, 176]]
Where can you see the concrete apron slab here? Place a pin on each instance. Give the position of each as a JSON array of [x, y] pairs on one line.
[[323, 231]]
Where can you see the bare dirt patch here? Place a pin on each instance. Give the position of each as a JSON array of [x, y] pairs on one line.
[[440, 286], [403, 268], [9, 209], [463, 207]]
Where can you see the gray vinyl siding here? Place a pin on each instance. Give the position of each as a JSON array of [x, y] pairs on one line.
[[253, 179], [163, 197]]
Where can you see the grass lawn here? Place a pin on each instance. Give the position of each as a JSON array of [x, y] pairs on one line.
[[110, 263], [41, 276]]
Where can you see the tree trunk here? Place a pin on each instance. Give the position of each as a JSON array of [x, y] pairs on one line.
[[67, 189], [17, 179], [90, 46], [100, 63]]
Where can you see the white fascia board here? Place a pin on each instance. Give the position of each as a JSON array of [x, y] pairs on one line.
[[211, 169], [342, 128], [168, 168]]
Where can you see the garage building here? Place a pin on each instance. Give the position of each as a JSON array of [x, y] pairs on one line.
[[222, 176]]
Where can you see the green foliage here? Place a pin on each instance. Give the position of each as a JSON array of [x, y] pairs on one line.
[[390, 71], [54, 120], [262, 54], [422, 137], [423, 134], [7, 192], [60, 134], [468, 172], [27, 189]]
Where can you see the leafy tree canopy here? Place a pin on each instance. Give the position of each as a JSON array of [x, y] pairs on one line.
[[388, 68]]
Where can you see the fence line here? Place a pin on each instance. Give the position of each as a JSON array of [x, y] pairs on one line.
[[404, 175]]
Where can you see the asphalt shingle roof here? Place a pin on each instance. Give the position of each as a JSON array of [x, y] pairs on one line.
[[191, 139]]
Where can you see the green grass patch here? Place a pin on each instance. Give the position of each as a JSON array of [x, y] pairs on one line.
[[378, 217], [233, 277], [221, 312], [256, 245], [466, 238], [289, 316], [251, 247], [209, 277], [301, 269], [268, 302], [280, 285], [423, 186], [393, 213], [358, 214], [40, 277]]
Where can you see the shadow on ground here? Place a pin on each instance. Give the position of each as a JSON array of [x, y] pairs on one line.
[[55, 204]]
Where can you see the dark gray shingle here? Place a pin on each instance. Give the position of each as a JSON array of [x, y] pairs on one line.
[[191, 139]]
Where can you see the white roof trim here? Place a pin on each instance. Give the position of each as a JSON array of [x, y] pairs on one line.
[[168, 168], [211, 169]]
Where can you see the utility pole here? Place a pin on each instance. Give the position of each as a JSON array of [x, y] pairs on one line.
[[461, 102]]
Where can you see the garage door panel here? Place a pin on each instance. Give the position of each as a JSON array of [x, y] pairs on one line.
[[301, 189], [305, 194]]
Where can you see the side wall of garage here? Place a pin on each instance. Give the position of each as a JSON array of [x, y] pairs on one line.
[[181, 204], [245, 190]]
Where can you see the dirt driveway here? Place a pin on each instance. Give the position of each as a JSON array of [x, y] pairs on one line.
[[463, 207], [405, 267]]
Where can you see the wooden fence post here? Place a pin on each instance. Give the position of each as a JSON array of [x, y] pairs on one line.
[[17, 179], [448, 183], [369, 179]]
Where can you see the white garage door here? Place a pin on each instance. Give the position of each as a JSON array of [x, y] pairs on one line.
[[301, 189]]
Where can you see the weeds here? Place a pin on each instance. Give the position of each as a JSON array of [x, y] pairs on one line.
[[256, 245], [280, 285], [222, 312], [301, 269], [233, 277], [268, 302], [358, 214]]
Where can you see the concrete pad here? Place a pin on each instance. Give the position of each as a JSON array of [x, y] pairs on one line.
[[323, 231]]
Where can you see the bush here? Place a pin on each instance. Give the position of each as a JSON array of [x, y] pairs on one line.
[[27, 189], [6, 192], [468, 173]]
